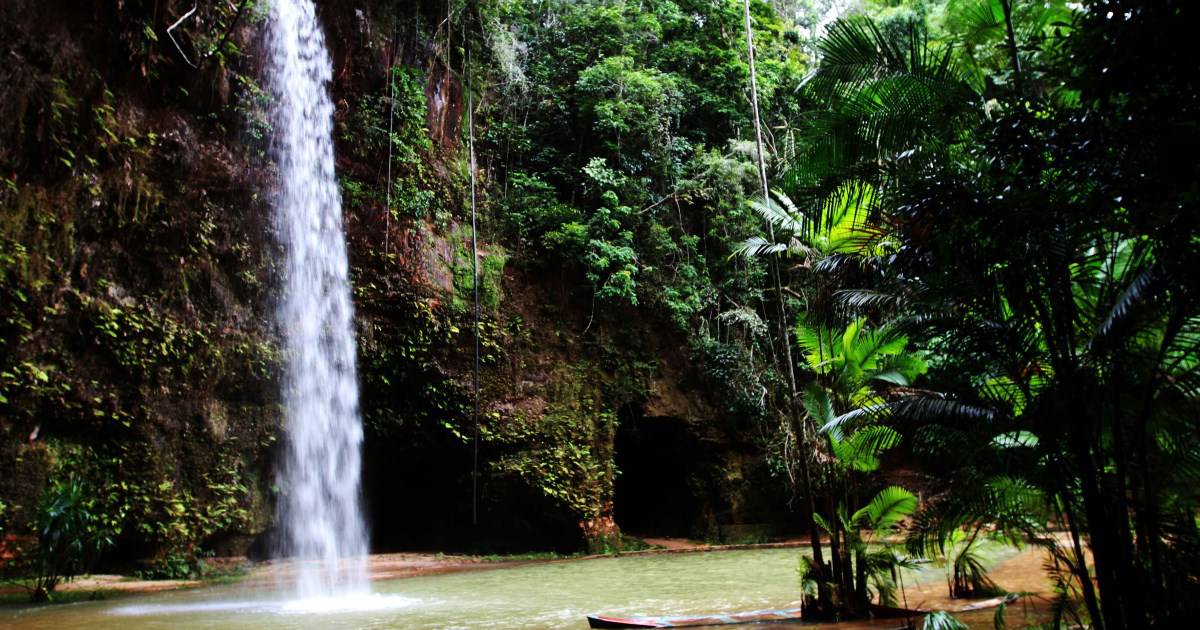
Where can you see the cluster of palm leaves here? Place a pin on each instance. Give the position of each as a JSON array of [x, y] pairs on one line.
[[998, 195], [70, 536], [851, 370]]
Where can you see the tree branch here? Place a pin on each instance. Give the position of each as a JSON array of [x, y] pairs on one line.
[[228, 29], [173, 41]]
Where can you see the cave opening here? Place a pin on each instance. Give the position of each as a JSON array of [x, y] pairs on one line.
[[660, 464], [418, 498]]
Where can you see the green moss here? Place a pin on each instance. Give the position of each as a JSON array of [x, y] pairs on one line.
[[366, 131], [416, 192], [227, 575], [534, 556], [566, 452], [127, 292], [141, 492], [491, 273]]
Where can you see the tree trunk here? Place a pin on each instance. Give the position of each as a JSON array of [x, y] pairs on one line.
[[1014, 58], [814, 537], [835, 550], [1105, 552], [1085, 578], [862, 603]]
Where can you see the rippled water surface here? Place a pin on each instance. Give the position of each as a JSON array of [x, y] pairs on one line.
[[552, 595]]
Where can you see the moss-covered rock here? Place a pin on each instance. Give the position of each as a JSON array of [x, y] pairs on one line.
[[134, 353], [136, 263]]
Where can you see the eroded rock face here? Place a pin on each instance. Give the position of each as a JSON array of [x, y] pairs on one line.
[[134, 261], [136, 266], [445, 97]]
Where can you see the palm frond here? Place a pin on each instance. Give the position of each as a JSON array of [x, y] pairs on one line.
[[817, 403], [929, 408], [868, 299], [862, 448], [821, 522], [869, 413], [942, 620], [887, 508], [781, 213], [1140, 289], [757, 246]]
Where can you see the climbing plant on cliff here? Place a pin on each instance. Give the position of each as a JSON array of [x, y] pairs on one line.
[[614, 144]]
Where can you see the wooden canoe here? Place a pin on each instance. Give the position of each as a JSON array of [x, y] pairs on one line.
[[891, 612], [758, 616], [754, 616]]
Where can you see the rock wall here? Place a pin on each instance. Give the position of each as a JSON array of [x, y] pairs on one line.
[[136, 270], [133, 281]]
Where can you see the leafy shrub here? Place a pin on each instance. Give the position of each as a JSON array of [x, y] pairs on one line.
[[942, 620], [534, 216], [70, 536]]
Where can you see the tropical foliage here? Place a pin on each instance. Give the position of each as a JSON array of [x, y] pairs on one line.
[[966, 193], [947, 236], [1033, 246], [70, 536]]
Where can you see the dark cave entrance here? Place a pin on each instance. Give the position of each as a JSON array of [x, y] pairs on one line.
[[417, 497], [660, 480]]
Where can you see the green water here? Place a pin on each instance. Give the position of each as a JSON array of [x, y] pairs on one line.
[[553, 595]]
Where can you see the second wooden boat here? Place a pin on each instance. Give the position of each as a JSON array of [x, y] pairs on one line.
[[754, 616]]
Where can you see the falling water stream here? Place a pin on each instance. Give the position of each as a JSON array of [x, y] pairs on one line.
[[319, 515]]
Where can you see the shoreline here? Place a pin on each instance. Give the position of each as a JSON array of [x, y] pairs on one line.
[[1020, 573]]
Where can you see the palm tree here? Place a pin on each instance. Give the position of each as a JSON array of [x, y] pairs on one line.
[[851, 368], [1085, 395], [1062, 320], [863, 535]]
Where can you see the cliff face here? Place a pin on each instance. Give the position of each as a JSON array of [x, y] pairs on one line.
[[136, 268], [134, 279]]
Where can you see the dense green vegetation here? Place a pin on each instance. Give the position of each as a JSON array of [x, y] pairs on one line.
[[973, 261], [976, 178], [1039, 250], [1013, 212], [618, 140], [130, 358]]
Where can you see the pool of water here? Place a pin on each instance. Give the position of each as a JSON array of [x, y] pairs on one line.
[[537, 596]]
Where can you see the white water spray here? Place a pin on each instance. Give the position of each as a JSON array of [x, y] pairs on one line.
[[319, 515]]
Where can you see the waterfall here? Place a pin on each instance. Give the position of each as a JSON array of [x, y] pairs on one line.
[[319, 515]]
